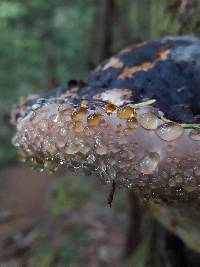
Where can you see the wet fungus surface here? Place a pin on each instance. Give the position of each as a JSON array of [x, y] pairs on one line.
[[134, 121], [132, 146]]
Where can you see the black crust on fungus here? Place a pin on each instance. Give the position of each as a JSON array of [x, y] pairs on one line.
[[174, 80]]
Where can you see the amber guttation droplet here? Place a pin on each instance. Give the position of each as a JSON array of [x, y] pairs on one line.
[[132, 123], [93, 119], [109, 108], [79, 114], [126, 112]]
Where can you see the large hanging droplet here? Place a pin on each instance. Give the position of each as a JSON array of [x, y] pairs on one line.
[[195, 135], [148, 120], [149, 163], [169, 131]]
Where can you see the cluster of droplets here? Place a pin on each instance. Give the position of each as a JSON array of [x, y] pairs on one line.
[[101, 141]]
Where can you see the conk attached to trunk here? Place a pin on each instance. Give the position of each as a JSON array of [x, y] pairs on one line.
[[134, 121]]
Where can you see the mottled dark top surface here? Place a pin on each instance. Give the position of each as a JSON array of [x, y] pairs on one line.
[[167, 70]]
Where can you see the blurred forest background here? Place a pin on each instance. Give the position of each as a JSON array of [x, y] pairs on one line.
[[43, 44]]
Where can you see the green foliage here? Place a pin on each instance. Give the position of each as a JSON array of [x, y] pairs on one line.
[[45, 253], [7, 150], [41, 43], [69, 194], [73, 238]]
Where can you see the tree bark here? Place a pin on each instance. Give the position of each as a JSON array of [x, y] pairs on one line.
[[102, 32]]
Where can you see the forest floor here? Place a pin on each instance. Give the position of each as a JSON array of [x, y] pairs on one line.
[[49, 221]]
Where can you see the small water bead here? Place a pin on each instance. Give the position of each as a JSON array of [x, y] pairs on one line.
[[119, 126], [173, 171], [113, 148], [103, 123], [101, 148], [170, 148], [195, 135], [78, 127], [169, 131], [190, 186], [196, 171], [127, 131], [72, 148], [109, 108], [60, 143], [79, 114], [38, 140], [122, 164], [49, 146], [15, 141], [71, 125], [91, 159], [126, 112], [43, 125], [63, 132], [88, 131], [51, 165], [148, 120], [118, 132], [62, 108], [21, 156], [132, 123], [60, 123], [123, 154], [189, 181], [40, 159], [93, 119], [55, 118], [35, 106], [65, 108], [131, 155], [84, 149], [67, 117], [107, 173], [172, 182], [178, 179], [111, 161], [149, 163], [84, 103], [169, 160], [78, 140]]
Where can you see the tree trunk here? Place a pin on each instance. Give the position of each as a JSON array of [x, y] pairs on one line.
[[102, 32]]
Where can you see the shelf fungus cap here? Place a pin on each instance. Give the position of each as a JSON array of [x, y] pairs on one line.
[[119, 134]]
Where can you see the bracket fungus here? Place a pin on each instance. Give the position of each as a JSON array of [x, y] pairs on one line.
[[134, 122]]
